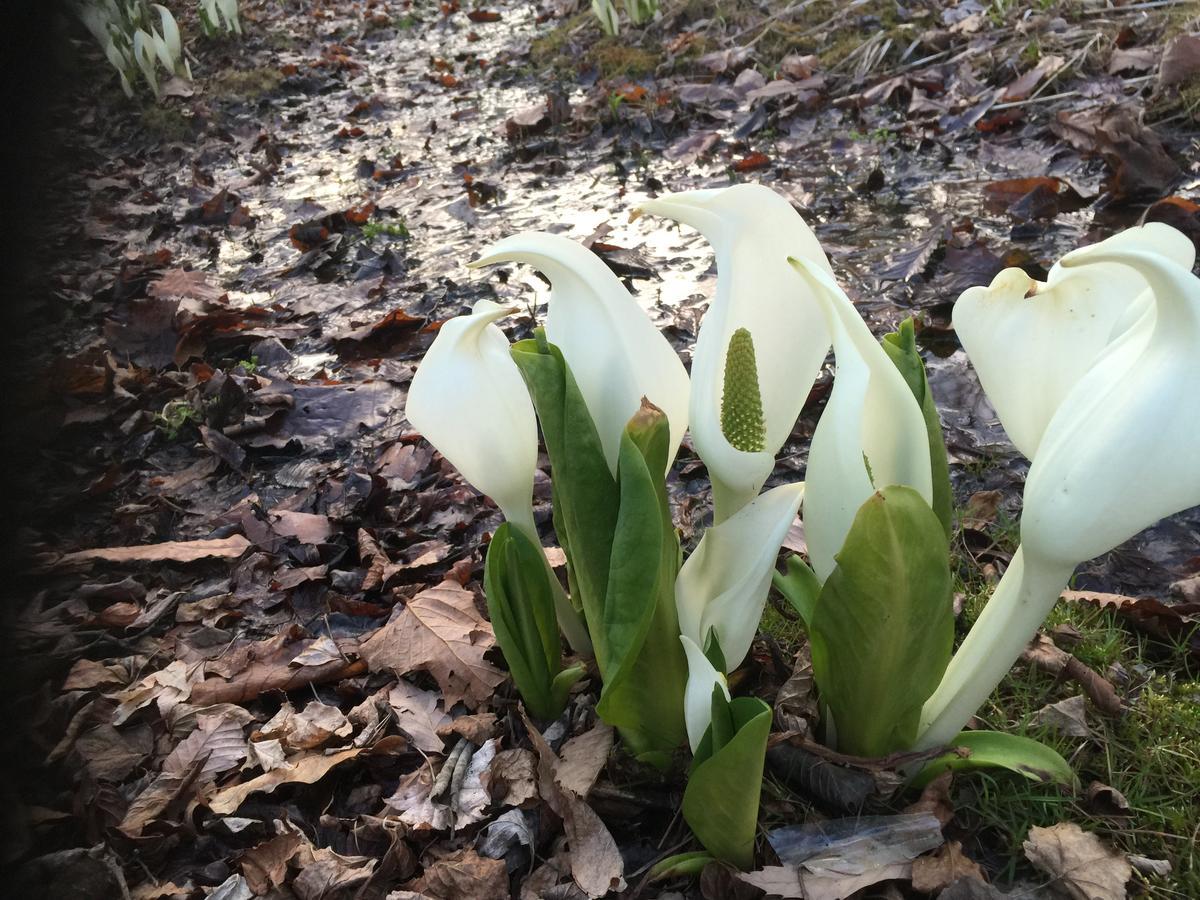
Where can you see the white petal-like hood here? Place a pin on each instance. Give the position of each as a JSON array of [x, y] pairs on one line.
[[723, 584], [468, 399], [1123, 449], [613, 349], [1031, 341], [697, 696], [753, 231], [871, 419]]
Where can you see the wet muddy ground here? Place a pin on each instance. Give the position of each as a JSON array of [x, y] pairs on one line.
[[238, 282]]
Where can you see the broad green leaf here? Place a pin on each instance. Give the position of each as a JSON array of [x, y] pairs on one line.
[[883, 625], [622, 552], [901, 348], [643, 667], [720, 803], [587, 498], [998, 749], [800, 587], [520, 600]]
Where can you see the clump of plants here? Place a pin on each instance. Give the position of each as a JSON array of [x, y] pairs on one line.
[[219, 15], [132, 43], [1105, 349], [639, 12]]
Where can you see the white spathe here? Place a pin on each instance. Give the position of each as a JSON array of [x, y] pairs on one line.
[[1031, 341], [753, 231], [170, 51], [723, 585], [872, 433], [469, 400], [1118, 454], [1123, 449], [614, 351], [697, 696]]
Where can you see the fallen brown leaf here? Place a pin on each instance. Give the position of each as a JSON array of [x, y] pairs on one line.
[[596, 863], [1180, 60], [169, 551], [265, 866], [419, 715], [938, 870], [305, 770], [1066, 717], [1083, 866], [582, 759], [439, 631], [464, 875], [217, 742]]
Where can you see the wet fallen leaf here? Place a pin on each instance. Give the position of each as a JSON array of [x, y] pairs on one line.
[[1140, 165], [751, 162]]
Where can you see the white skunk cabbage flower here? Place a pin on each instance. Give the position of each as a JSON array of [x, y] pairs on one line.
[[697, 696], [229, 9], [723, 585], [143, 55], [872, 433], [122, 63], [614, 351], [762, 319], [468, 399], [1118, 454], [606, 13], [170, 45], [1031, 341]]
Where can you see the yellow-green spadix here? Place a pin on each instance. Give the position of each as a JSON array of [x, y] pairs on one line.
[[753, 231]]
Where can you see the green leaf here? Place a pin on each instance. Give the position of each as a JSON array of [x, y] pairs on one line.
[[587, 499], [800, 587], [997, 749], [520, 600], [622, 552], [644, 667], [681, 865], [883, 625], [720, 803], [901, 348]]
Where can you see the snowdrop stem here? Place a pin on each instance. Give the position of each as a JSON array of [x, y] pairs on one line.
[[1022, 600]]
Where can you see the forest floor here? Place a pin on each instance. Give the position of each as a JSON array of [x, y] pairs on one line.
[[231, 684]]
